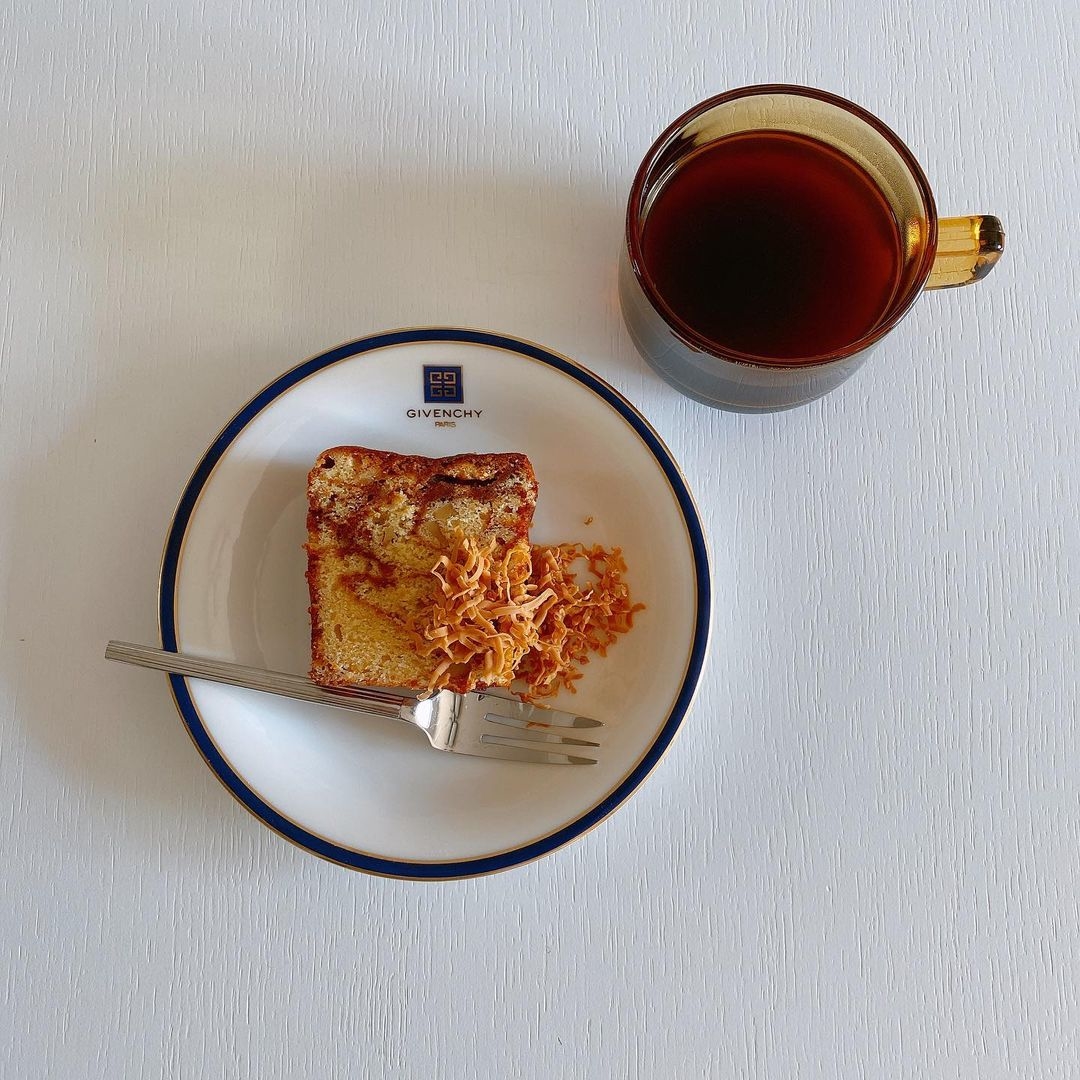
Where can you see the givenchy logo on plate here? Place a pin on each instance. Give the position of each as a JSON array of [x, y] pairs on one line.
[[443, 385]]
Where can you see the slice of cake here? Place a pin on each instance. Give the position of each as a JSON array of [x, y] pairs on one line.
[[378, 523]]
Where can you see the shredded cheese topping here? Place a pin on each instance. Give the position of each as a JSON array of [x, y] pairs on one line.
[[526, 616]]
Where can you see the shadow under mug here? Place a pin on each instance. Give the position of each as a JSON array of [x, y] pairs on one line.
[[935, 252]]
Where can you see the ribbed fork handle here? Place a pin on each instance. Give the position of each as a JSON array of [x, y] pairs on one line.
[[377, 702]]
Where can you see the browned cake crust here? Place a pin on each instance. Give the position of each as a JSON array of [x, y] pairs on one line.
[[377, 524]]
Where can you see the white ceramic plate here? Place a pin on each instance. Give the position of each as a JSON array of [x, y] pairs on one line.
[[370, 793]]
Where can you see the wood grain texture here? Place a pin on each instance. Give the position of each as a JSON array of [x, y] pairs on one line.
[[860, 860]]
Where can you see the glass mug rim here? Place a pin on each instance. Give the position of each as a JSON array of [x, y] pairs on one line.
[[698, 341]]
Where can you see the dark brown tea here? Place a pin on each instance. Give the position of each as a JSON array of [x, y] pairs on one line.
[[775, 245]]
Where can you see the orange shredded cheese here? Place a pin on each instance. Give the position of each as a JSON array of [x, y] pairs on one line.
[[526, 616]]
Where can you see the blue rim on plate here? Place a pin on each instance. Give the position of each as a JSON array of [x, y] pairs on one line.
[[490, 864]]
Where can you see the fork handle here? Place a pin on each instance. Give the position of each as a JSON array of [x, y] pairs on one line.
[[362, 699]]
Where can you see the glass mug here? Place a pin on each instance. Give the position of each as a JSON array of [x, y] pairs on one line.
[[774, 235]]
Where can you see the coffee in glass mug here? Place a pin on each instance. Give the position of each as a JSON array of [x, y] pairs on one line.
[[774, 234]]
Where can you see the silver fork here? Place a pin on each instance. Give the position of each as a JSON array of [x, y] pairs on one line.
[[476, 724]]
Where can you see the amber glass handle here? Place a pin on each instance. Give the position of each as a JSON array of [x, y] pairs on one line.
[[967, 249]]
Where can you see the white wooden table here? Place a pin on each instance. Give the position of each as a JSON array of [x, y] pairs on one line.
[[862, 857]]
